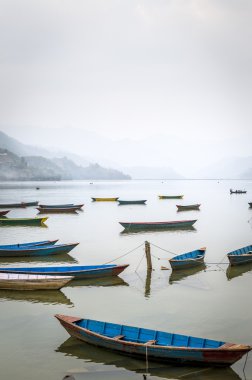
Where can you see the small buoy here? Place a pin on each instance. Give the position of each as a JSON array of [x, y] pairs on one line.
[[37, 188]]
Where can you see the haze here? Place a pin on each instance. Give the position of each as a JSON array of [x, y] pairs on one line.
[[165, 70]]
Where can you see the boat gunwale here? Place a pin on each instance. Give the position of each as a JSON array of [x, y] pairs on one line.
[[40, 247]]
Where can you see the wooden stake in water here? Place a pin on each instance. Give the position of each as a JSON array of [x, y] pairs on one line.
[[148, 255]]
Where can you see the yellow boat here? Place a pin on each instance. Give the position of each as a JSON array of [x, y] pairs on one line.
[[105, 199]]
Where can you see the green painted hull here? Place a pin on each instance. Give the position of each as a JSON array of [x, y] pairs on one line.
[[22, 221]]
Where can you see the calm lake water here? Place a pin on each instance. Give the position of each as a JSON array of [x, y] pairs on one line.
[[213, 303]]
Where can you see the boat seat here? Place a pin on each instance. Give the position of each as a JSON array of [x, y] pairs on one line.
[[118, 337], [150, 342]]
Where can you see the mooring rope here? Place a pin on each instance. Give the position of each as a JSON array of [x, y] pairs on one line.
[[162, 249], [139, 263], [125, 254]]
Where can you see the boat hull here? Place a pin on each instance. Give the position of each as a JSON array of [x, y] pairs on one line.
[[250, 204], [157, 225], [225, 356], [140, 202], [43, 210], [105, 199], [3, 213], [32, 282], [38, 250], [240, 256], [23, 221], [188, 207], [27, 245], [63, 206], [78, 272], [170, 196], [184, 264]]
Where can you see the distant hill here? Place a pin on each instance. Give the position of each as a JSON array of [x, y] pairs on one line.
[[232, 167]]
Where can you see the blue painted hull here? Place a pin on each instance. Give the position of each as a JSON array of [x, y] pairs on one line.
[[158, 345], [140, 202], [38, 250], [77, 271], [188, 260], [240, 256], [27, 245]]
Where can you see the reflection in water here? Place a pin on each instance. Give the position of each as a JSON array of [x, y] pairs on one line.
[[146, 231], [178, 275], [106, 281], [238, 270], [59, 259], [51, 297], [72, 347], [148, 283]]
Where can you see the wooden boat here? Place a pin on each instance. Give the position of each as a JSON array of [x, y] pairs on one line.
[[188, 260], [240, 256], [23, 221], [18, 205], [12, 205], [250, 204], [3, 213], [29, 204], [170, 196], [77, 271], [157, 225], [140, 202], [43, 250], [27, 245], [44, 210], [105, 199], [14, 281], [238, 191], [69, 205], [155, 345], [188, 207]]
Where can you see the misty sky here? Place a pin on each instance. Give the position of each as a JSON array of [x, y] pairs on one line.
[[128, 68]]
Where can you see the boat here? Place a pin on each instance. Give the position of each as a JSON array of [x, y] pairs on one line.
[[23, 221], [170, 196], [42, 250], [240, 256], [27, 245], [140, 202], [77, 271], [154, 345], [188, 207], [12, 205], [238, 191], [69, 205], [14, 281], [29, 204], [188, 260], [3, 213], [44, 210], [105, 199], [250, 204], [157, 225], [18, 205]]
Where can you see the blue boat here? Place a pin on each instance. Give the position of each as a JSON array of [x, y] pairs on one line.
[[43, 250], [77, 271], [188, 260], [27, 245], [240, 256], [152, 344]]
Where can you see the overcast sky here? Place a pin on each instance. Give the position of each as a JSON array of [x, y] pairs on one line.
[[128, 68]]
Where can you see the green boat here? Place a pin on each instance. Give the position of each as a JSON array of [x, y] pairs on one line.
[[137, 202], [23, 221]]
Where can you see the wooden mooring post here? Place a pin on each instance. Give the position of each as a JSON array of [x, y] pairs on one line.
[[148, 255]]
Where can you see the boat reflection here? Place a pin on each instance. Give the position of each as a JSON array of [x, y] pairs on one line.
[[59, 259], [51, 297], [89, 353], [178, 275], [105, 281], [151, 230], [238, 270]]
